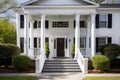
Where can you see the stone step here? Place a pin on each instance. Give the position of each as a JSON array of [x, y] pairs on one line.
[[61, 70], [61, 67], [62, 62]]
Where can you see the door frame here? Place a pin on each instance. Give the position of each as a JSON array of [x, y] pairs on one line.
[[66, 50]]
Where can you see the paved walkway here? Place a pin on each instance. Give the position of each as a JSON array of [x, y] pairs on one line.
[[58, 76]]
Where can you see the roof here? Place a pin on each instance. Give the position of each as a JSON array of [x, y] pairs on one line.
[[58, 3], [110, 6]]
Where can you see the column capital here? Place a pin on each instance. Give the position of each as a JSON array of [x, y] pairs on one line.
[[77, 14]]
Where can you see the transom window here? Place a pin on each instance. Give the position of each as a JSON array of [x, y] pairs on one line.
[[60, 24], [103, 21]]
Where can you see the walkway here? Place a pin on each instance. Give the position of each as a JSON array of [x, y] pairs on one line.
[[58, 76]]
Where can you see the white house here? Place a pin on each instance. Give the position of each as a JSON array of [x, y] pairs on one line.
[[63, 23]]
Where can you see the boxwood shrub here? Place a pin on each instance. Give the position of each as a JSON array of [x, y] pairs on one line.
[[21, 62], [7, 51], [101, 62], [110, 50]]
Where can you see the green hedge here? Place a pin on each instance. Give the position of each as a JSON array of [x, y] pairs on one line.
[[7, 51], [110, 50], [101, 62], [21, 62]]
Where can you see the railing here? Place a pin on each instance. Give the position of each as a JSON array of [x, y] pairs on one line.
[[83, 51], [83, 62], [40, 59], [36, 52]]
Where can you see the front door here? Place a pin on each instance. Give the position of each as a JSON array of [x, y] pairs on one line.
[[60, 47]]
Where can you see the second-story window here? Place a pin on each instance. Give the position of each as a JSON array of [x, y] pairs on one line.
[[103, 21]]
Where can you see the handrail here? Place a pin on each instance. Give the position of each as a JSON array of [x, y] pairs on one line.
[[40, 59], [83, 62]]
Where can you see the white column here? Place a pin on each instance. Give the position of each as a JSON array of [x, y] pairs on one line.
[[18, 28], [87, 37], [31, 34], [26, 36], [77, 34], [93, 35], [43, 35]]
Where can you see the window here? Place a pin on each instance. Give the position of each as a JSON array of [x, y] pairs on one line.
[[82, 24], [22, 44], [102, 41], [60, 24], [83, 42], [103, 21], [21, 21], [37, 24]]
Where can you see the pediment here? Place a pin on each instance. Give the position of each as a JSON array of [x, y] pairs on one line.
[[58, 3]]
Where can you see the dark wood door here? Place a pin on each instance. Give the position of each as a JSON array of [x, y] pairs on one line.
[[60, 47]]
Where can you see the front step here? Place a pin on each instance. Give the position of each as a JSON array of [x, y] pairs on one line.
[[61, 66]]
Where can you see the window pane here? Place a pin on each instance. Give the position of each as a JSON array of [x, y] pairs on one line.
[[60, 24], [103, 24]]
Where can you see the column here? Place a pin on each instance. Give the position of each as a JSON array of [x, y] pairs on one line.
[[31, 34], [26, 36], [93, 34], [87, 37], [18, 28], [77, 34], [43, 35]]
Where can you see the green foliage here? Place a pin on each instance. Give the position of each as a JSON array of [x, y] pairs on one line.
[[21, 62], [5, 5], [47, 51], [101, 62], [7, 32], [98, 1], [73, 50], [18, 78], [7, 51], [110, 50]]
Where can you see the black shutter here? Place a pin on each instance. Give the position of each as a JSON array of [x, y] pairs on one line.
[[74, 40], [109, 40], [46, 24], [97, 21], [74, 24], [21, 21], [97, 44], [109, 20], [35, 24]]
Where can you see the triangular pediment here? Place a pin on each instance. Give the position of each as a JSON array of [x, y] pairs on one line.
[[58, 3]]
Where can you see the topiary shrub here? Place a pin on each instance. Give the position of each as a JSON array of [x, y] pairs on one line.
[[73, 50], [7, 51], [110, 50], [47, 51], [101, 62], [21, 62]]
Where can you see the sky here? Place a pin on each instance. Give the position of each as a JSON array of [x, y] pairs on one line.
[[10, 12]]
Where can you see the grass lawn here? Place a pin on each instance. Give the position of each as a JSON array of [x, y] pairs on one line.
[[18, 78], [101, 78]]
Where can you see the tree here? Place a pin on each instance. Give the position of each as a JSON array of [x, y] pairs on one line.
[[7, 32], [5, 5], [97, 1]]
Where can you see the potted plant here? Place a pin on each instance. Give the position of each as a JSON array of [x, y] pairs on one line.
[[47, 52], [73, 50]]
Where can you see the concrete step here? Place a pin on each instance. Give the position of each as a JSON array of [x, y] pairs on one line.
[[68, 65], [61, 70], [61, 67]]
